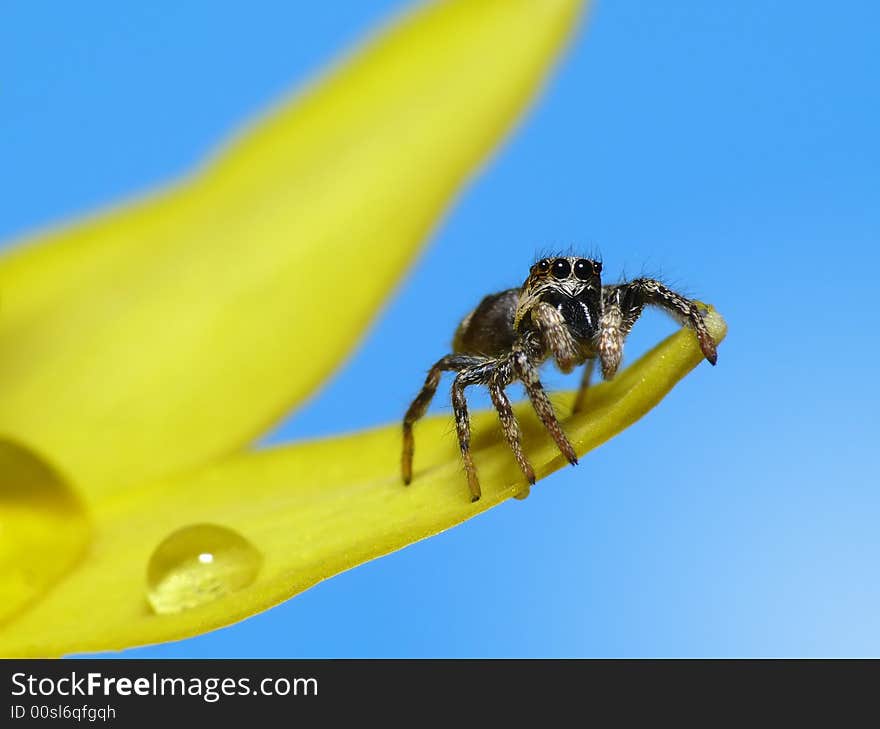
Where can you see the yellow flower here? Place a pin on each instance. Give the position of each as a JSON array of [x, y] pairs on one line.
[[142, 350]]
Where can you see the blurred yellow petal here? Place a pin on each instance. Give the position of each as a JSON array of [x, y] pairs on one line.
[[309, 511], [44, 527], [156, 337]]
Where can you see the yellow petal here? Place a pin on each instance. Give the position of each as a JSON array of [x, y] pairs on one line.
[[157, 337], [313, 510], [44, 527]]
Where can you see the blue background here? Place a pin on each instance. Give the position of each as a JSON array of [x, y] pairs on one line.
[[731, 147]]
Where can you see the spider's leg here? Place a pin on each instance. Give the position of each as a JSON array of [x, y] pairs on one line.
[[585, 385], [528, 373], [509, 425], [451, 362], [636, 294], [557, 336], [479, 374], [613, 328]]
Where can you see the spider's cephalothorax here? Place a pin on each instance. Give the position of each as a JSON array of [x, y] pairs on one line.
[[561, 312]]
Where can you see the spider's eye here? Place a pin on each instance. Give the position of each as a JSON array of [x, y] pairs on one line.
[[584, 269], [561, 268], [543, 265]]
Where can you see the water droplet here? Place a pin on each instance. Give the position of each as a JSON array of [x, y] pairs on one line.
[[44, 528], [198, 564]]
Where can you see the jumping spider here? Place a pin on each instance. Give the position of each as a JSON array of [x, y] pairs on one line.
[[563, 312]]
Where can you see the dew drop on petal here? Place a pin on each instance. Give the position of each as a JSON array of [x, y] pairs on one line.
[[198, 564]]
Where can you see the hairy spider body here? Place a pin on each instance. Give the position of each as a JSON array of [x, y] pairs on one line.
[[562, 312]]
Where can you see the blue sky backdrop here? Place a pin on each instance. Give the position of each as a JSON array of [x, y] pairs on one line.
[[731, 148]]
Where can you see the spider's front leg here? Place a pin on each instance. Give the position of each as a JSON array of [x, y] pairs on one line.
[[557, 336], [564, 348], [528, 372], [624, 304]]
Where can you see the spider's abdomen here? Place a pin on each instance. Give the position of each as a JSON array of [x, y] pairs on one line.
[[488, 329]]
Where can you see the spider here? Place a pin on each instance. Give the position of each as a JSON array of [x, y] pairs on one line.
[[562, 312]]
